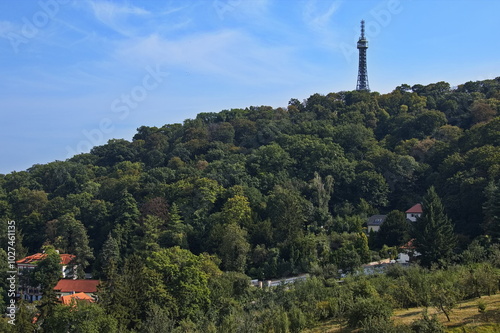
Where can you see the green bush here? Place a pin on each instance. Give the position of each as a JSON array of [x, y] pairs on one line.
[[368, 309], [427, 325], [382, 325]]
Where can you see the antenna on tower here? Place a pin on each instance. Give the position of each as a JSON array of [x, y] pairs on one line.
[[362, 71]]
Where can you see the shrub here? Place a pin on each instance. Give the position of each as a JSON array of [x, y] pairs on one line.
[[368, 309], [481, 306], [427, 324]]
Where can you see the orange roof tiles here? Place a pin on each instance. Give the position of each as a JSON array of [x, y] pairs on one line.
[[66, 300], [33, 259], [415, 209], [66, 258], [69, 286]]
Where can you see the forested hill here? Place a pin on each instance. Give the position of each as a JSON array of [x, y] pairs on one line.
[[271, 192]]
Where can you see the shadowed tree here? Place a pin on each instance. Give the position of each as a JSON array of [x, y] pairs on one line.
[[126, 215], [46, 274], [72, 238], [110, 257], [434, 237], [491, 209], [234, 247], [394, 231]]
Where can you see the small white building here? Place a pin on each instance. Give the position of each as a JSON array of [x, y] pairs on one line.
[[414, 212], [407, 253]]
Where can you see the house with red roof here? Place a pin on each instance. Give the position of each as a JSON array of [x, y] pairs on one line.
[[33, 293], [30, 262], [414, 212], [69, 287]]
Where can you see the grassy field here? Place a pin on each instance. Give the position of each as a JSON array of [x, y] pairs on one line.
[[465, 318]]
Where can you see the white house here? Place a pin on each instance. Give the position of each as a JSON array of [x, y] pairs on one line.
[[414, 212]]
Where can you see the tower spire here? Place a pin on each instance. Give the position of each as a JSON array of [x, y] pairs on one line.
[[362, 71]]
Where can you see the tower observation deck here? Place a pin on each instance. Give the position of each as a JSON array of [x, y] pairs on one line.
[[362, 71]]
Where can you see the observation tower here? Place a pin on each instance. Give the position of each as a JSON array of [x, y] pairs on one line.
[[362, 71]]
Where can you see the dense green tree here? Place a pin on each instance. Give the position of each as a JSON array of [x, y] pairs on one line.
[[270, 158], [184, 276], [115, 151], [368, 308], [46, 274], [71, 237], [355, 139], [444, 292], [288, 212], [82, 317], [491, 210], [129, 295], [158, 321], [24, 318], [28, 207], [109, 258], [237, 210], [126, 216], [147, 234], [434, 236], [395, 231], [233, 248], [372, 187]]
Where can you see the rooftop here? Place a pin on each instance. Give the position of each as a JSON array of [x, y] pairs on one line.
[[66, 300], [415, 209], [35, 258], [376, 219], [77, 286]]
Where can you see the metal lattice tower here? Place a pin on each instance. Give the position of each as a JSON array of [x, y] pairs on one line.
[[362, 71]]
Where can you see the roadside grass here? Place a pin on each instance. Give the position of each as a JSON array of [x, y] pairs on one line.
[[465, 318]]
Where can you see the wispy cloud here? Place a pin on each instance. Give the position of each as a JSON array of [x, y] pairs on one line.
[[317, 17], [225, 53], [115, 15]]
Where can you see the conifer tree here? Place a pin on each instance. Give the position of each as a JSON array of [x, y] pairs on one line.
[[434, 236], [126, 214], [394, 231], [176, 231], [110, 257], [73, 239], [46, 274]]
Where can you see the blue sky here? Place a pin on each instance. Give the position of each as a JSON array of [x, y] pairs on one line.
[[76, 73]]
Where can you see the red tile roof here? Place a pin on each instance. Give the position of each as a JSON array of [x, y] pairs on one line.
[[69, 286], [66, 258], [415, 209], [66, 300], [33, 259]]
